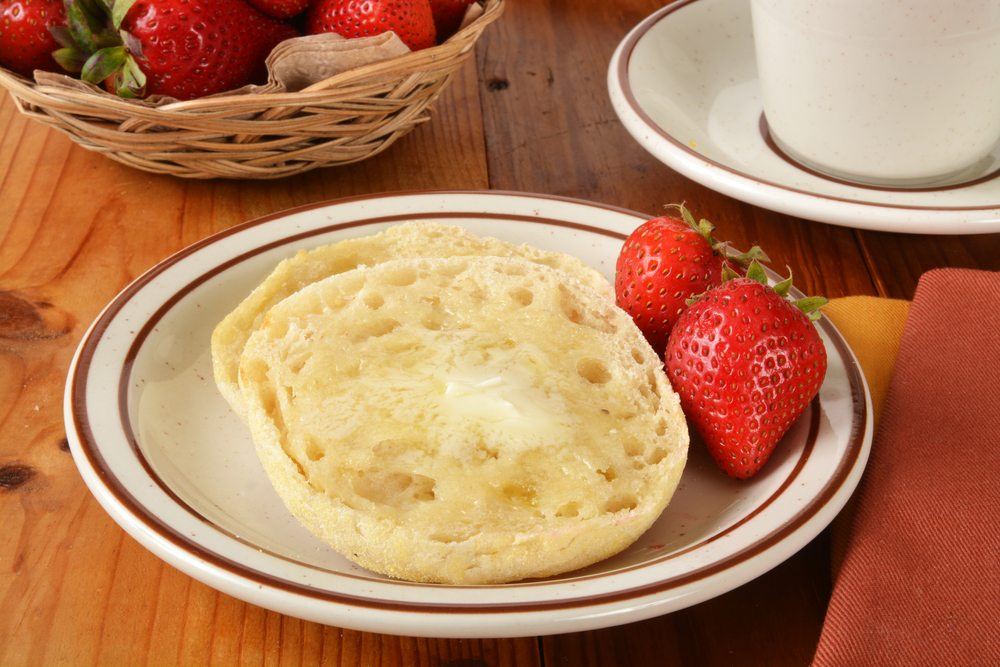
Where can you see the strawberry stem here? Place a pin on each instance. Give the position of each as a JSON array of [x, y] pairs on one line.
[[705, 228]]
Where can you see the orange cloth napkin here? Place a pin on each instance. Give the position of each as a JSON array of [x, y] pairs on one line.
[[919, 582], [872, 327]]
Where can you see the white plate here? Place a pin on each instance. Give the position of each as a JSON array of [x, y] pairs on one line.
[[684, 83], [163, 454]]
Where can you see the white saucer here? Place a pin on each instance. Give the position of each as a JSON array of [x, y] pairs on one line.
[[684, 83], [169, 461]]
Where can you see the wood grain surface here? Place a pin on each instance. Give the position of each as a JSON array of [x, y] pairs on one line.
[[531, 114]]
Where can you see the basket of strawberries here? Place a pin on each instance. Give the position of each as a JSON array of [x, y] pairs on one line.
[[235, 88]]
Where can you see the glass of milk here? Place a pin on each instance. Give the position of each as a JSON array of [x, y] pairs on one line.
[[897, 93]]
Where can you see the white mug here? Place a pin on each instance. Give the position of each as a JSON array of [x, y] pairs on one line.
[[899, 93]]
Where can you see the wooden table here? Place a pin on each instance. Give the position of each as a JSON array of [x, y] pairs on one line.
[[530, 114]]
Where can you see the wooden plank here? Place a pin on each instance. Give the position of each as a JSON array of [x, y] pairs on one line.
[[550, 128], [897, 261], [74, 229]]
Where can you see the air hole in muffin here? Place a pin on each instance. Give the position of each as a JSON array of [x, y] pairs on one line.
[[452, 269], [296, 365], [276, 330], [656, 456], [633, 448], [574, 312], [400, 276], [485, 451], [518, 492], [374, 300], [329, 302], [380, 487], [422, 488], [513, 269], [314, 452], [621, 502], [254, 372], [451, 536], [661, 427], [374, 329], [570, 310], [610, 474], [522, 296], [568, 510], [433, 321], [593, 371], [269, 401], [651, 378], [402, 345], [638, 355]]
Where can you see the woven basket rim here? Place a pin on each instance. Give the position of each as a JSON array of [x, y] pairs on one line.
[[409, 62]]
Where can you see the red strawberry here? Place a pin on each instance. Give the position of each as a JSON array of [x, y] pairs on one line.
[[448, 15], [663, 263], [746, 363], [181, 48], [25, 41], [411, 20], [281, 9]]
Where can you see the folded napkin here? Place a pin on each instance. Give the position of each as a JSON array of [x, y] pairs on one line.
[[920, 581]]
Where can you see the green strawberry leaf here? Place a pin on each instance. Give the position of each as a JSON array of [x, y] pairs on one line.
[[103, 64], [131, 42], [78, 22], [756, 272], [810, 305], [754, 253], [131, 82], [119, 10], [785, 285], [685, 215], [728, 273], [69, 58], [705, 228], [62, 35], [93, 7], [106, 38]]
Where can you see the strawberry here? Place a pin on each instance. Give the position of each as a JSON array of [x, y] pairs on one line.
[[746, 363], [181, 48], [448, 16], [411, 20], [26, 43], [663, 263], [281, 9]]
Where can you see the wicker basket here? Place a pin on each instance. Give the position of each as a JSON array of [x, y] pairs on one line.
[[347, 118]]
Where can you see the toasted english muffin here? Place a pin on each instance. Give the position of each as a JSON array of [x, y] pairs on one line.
[[463, 420], [409, 240]]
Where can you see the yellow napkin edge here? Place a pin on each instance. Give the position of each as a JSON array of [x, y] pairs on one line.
[[873, 327]]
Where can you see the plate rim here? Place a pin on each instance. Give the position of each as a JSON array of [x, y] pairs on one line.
[[626, 103], [87, 446]]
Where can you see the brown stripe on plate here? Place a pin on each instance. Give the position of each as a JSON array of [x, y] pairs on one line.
[[626, 87], [148, 518]]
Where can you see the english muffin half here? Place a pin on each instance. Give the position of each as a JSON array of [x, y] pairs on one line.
[[409, 240], [463, 420]]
